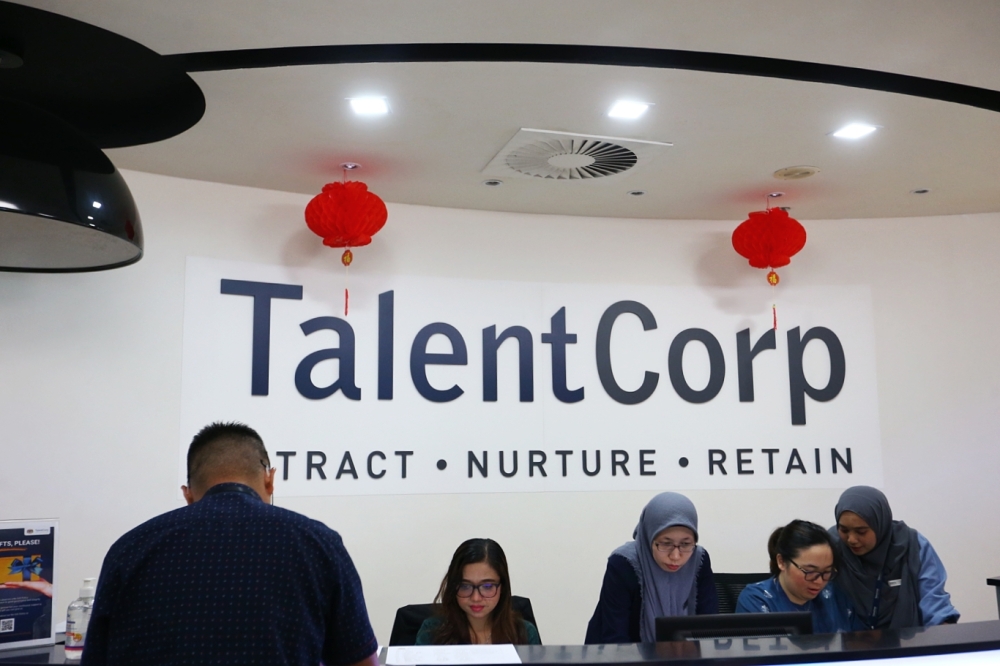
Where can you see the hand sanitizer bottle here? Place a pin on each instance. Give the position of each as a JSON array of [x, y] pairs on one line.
[[77, 619]]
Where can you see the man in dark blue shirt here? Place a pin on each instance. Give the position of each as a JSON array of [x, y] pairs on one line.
[[229, 579]]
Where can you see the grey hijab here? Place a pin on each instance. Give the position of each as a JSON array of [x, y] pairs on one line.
[[896, 557], [663, 593]]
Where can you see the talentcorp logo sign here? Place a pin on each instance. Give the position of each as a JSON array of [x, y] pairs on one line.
[[435, 385]]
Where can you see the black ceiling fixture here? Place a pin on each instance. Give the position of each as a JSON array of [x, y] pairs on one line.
[[68, 89], [63, 205]]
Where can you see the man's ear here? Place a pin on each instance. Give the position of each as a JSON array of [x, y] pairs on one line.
[[188, 495], [269, 481]]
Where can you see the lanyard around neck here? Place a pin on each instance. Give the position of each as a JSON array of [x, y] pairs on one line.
[[873, 618], [877, 601]]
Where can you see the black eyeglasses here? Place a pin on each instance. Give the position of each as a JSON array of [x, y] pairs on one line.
[[813, 576], [486, 590], [668, 547]]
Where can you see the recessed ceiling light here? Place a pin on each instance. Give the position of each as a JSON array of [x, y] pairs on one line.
[[493, 182], [97, 204], [854, 131], [922, 190], [636, 193], [369, 106], [628, 110]]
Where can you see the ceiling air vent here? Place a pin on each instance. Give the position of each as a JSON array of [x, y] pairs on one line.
[[796, 172], [567, 156]]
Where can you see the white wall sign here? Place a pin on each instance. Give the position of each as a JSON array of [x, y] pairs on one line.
[[447, 385]]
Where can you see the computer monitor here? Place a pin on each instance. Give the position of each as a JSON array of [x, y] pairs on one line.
[[730, 625]]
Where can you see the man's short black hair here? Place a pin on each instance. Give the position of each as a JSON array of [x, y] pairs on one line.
[[230, 448]]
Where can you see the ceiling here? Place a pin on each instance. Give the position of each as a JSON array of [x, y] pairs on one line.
[[290, 127]]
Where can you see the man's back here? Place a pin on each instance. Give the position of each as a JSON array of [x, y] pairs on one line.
[[229, 580]]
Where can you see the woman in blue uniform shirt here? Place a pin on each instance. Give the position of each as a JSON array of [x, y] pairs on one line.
[[662, 571], [803, 561], [890, 574]]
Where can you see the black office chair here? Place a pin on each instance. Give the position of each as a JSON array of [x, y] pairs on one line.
[[409, 618], [729, 585]]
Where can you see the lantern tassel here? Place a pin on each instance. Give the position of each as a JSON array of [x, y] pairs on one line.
[[773, 280], [346, 259], [347, 285]]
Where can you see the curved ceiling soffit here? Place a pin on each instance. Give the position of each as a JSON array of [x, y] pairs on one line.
[[120, 93], [723, 63]]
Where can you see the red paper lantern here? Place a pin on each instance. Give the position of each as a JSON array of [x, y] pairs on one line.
[[769, 239], [346, 215]]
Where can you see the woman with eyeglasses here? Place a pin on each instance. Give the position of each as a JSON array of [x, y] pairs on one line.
[[803, 561], [662, 571], [475, 602], [891, 573]]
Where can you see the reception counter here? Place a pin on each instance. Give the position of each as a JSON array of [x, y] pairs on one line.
[[966, 644], [951, 639]]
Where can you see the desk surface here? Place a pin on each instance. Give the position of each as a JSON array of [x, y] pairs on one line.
[[50, 654], [886, 644], [947, 639]]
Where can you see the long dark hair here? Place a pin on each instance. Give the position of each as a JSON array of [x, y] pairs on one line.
[[793, 538], [506, 625]]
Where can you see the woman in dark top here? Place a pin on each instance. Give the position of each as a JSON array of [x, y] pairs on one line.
[[661, 572], [475, 601]]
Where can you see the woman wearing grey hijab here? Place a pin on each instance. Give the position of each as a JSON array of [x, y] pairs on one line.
[[661, 572], [889, 571]]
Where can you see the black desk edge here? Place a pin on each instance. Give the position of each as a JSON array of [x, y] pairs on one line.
[[864, 645], [884, 644]]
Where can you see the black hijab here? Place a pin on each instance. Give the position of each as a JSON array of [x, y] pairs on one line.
[[892, 567]]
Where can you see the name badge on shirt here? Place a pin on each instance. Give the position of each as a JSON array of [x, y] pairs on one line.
[[895, 583]]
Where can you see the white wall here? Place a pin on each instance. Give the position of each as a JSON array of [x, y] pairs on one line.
[[91, 368]]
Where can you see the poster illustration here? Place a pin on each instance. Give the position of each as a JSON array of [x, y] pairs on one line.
[[27, 563]]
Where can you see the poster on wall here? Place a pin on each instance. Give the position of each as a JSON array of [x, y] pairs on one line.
[[440, 385], [27, 582]]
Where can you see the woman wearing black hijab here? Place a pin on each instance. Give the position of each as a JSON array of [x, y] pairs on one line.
[[889, 572]]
